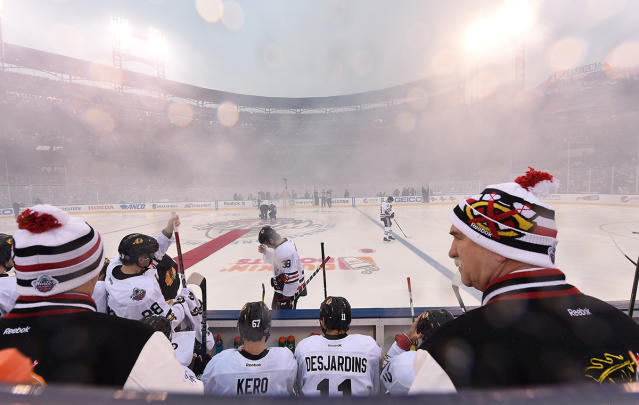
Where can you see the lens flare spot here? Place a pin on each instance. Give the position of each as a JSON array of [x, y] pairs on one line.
[[99, 122], [405, 122], [417, 98], [210, 10], [228, 114], [180, 114], [624, 55], [566, 53], [233, 17]]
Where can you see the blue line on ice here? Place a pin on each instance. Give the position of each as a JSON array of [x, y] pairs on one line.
[[434, 263]]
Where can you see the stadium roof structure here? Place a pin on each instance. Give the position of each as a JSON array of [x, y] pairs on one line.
[[73, 69]]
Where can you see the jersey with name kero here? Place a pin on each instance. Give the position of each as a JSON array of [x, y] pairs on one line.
[[347, 365], [234, 372], [385, 209], [8, 294], [285, 259]]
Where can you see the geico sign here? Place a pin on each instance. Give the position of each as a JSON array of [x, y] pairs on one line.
[[412, 198]]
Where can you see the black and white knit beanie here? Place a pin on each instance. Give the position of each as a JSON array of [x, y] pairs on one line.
[[54, 252]]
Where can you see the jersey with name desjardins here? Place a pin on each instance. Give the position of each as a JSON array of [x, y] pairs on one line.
[[234, 372], [338, 365]]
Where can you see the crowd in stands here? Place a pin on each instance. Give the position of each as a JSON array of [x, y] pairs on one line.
[[89, 138]]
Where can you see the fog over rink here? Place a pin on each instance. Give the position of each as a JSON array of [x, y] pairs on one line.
[[365, 96], [372, 273]]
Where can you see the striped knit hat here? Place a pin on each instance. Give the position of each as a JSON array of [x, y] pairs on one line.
[[510, 220], [54, 252]]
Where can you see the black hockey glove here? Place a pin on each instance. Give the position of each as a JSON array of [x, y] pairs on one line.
[[432, 320], [278, 282], [392, 215]]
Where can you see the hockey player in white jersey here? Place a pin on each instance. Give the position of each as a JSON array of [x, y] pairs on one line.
[[385, 214], [398, 370], [99, 292], [8, 291], [288, 274], [133, 291], [337, 363], [252, 369]]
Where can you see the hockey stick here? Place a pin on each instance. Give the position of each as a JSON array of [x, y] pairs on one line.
[[199, 280], [410, 296], [633, 295], [308, 280], [614, 241], [323, 270], [263, 292], [179, 252], [400, 228], [455, 283]]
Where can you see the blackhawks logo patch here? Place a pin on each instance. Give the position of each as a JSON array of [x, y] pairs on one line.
[[170, 276]]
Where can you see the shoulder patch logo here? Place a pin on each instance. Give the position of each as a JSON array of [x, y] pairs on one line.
[[44, 283], [138, 294]]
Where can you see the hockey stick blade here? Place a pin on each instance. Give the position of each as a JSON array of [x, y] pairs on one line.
[[195, 278]]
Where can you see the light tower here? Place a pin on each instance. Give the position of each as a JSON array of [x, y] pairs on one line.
[[130, 46]]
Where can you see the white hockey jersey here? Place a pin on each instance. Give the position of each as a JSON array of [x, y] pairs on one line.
[[285, 259], [344, 365], [234, 372], [8, 293], [398, 371], [100, 296], [385, 210]]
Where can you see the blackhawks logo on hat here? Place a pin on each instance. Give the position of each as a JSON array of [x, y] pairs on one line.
[[488, 214]]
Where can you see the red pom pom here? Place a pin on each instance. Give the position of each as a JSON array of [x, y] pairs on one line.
[[37, 222], [532, 177]]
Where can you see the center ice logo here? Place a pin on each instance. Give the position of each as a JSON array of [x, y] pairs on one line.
[[291, 227], [363, 264]]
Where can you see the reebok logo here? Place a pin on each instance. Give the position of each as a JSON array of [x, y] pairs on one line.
[[579, 312], [253, 365], [337, 345], [481, 230], [14, 331]]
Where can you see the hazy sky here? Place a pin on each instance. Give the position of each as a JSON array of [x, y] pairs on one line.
[[301, 48]]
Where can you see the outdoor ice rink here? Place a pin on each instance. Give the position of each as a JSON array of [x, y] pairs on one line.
[[372, 273]]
